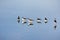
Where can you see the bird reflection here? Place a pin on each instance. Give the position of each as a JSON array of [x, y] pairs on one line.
[[55, 27]]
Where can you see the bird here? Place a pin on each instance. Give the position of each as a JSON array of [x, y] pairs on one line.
[[30, 21], [38, 20], [46, 20], [18, 19], [55, 23], [24, 20]]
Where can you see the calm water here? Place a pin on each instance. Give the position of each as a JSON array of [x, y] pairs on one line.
[[11, 30]]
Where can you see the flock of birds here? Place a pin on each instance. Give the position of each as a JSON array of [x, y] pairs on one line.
[[30, 21]]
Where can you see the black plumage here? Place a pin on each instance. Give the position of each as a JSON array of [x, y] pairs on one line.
[[45, 18], [18, 17], [55, 21]]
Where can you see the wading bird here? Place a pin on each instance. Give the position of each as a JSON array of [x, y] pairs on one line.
[[18, 19], [46, 20], [30, 21], [38, 20], [24, 20], [55, 23]]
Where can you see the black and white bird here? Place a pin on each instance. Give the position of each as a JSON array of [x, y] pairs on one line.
[[55, 23], [30, 21], [24, 20], [18, 19], [46, 20], [38, 20]]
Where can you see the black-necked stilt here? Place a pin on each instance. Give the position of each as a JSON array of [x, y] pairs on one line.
[[46, 20], [38, 20], [30, 21], [55, 23], [18, 19], [24, 20]]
